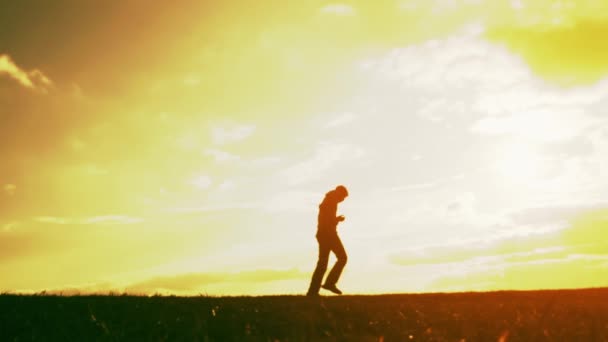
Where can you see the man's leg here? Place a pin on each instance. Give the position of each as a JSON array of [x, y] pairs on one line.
[[338, 249], [317, 276]]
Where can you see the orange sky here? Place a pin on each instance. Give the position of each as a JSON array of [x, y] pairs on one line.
[[184, 148]]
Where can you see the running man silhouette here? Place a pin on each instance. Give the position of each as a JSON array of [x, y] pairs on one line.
[[329, 241]]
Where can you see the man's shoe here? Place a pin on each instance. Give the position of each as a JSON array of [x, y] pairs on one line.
[[332, 288], [313, 295]]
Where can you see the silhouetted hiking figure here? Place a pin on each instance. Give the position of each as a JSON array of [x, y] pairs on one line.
[[329, 241]]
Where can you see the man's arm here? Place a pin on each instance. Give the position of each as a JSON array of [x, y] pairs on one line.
[[327, 214]]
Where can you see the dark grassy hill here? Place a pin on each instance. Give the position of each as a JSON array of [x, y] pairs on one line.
[[563, 315]]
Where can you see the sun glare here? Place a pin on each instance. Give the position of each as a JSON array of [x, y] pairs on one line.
[[519, 164]]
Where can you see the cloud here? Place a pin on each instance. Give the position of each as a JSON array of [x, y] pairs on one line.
[[227, 185], [112, 219], [461, 67], [525, 138], [297, 201], [481, 250], [425, 185], [555, 213], [54, 220], [340, 120], [460, 82], [517, 4], [526, 236], [414, 187], [572, 226], [189, 141], [221, 156], [104, 219], [547, 124], [496, 261], [223, 135], [34, 79], [551, 273], [197, 282], [326, 156], [202, 182], [454, 217], [486, 85], [540, 113], [339, 9], [214, 207]]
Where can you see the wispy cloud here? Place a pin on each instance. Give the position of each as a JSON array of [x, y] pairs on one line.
[[221, 156], [413, 187], [520, 247], [292, 201], [112, 219], [35, 79], [489, 94], [340, 120], [425, 185], [213, 208], [227, 185], [202, 182], [224, 135], [339, 9], [546, 270], [517, 4], [54, 220], [482, 250], [537, 112], [103, 219], [196, 282], [325, 156]]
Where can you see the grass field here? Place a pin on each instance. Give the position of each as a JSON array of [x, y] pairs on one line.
[[561, 315]]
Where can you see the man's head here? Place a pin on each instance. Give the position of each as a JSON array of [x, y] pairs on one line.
[[341, 192]]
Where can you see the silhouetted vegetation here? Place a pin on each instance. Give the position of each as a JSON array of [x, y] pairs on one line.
[[565, 315]]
